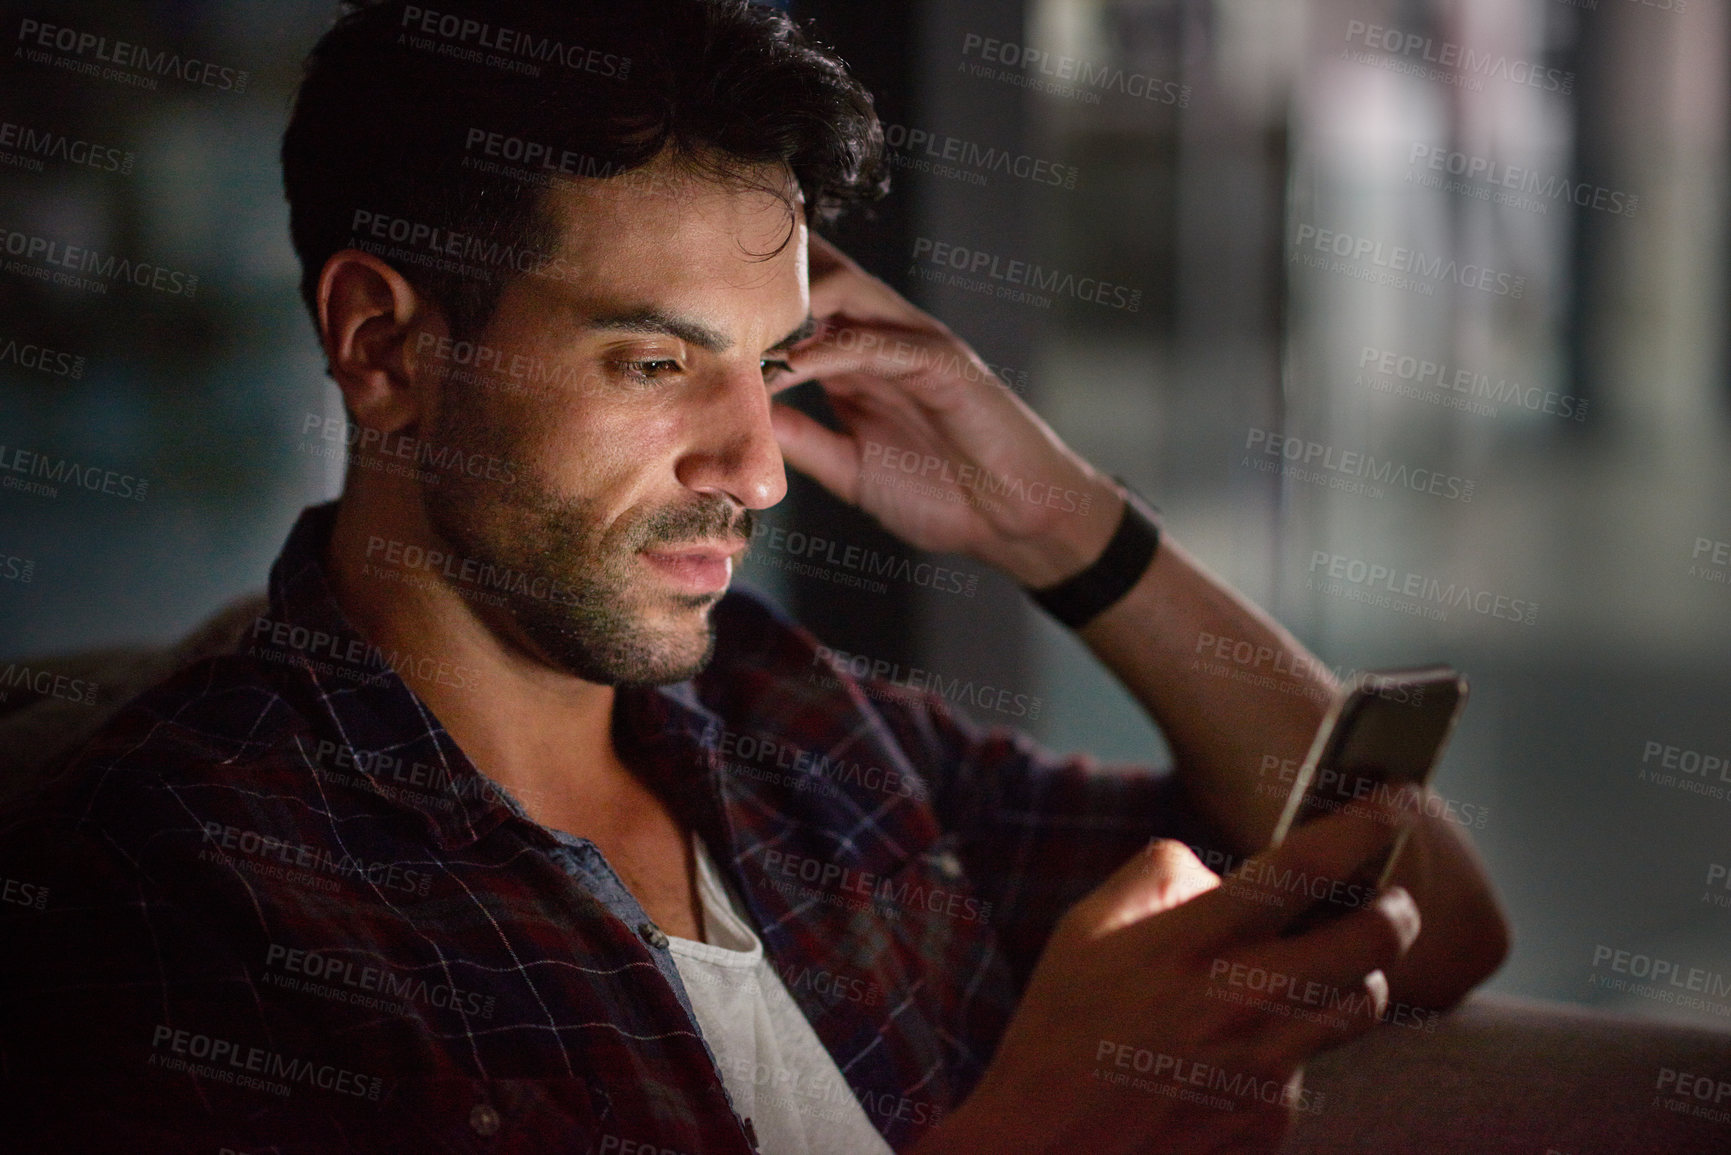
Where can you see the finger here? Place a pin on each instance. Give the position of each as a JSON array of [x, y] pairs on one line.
[[1269, 890], [1343, 950], [1330, 966], [1326, 986], [823, 257], [1160, 876], [883, 350], [827, 457], [840, 285]]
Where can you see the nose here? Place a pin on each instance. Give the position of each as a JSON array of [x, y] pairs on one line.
[[733, 450]]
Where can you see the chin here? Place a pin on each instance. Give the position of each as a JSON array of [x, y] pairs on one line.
[[670, 646]]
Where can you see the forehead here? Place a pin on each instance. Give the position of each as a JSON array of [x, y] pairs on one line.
[[667, 230]]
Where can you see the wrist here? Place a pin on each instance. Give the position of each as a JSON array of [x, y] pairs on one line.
[[1067, 542], [1079, 600]]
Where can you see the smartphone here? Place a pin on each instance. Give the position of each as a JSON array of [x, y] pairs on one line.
[[1384, 729]]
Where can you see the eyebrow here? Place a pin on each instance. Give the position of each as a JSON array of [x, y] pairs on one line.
[[651, 320], [806, 328]]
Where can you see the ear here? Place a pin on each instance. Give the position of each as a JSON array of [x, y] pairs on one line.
[[371, 322]]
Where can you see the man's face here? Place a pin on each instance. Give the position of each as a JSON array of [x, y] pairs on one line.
[[644, 441]]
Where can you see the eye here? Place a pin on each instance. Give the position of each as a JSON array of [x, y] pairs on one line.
[[648, 371], [773, 368]]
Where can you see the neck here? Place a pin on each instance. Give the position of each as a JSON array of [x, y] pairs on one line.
[[543, 734]]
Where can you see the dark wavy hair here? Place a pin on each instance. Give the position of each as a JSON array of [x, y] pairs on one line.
[[395, 97]]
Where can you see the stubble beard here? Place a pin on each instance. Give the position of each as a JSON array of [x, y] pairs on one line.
[[585, 601]]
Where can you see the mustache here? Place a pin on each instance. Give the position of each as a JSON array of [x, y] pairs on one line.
[[712, 519]]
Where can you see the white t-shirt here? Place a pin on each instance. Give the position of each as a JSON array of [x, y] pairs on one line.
[[774, 1067]]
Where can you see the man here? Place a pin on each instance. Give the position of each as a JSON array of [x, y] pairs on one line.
[[464, 849]]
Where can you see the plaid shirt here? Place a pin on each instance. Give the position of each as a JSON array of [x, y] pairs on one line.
[[273, 907]]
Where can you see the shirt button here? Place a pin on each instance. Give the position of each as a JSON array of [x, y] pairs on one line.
[[653, 935], [484, 1119]]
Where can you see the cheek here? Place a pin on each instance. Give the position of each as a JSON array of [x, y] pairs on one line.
[[602, 449]]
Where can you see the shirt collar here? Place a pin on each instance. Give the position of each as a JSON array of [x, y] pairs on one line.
[[375, 731]]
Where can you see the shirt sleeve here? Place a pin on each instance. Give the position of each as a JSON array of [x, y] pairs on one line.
[[1036, 831]]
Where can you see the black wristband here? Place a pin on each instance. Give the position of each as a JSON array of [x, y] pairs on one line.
[[1079, 600]]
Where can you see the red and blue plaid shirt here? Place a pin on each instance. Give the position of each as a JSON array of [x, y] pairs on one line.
[[273, 907]]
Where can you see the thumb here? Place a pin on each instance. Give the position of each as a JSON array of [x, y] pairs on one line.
[[1157, 878]]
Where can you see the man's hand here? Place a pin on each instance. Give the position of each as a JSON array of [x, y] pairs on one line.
[[936, 447], [1132, 1035], [947, 458]]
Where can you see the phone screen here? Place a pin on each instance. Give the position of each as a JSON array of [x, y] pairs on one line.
[[1385, 729]]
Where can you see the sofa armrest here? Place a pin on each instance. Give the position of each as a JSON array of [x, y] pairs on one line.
[[1508, 1075]]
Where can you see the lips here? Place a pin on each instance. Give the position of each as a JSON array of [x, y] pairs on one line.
[[698, 568]]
